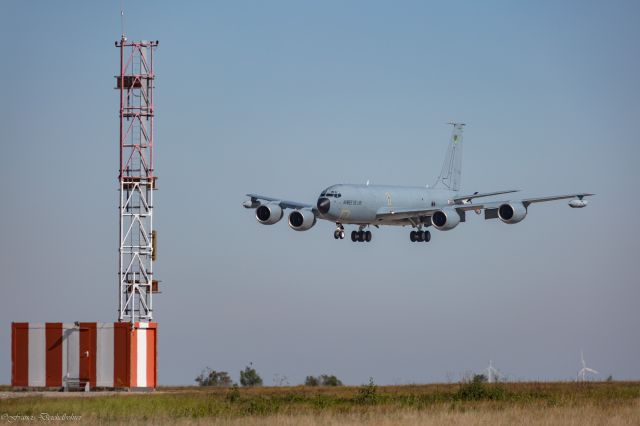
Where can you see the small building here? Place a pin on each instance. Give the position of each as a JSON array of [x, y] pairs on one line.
[[84, 355]]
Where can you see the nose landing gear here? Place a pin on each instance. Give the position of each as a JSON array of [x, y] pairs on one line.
[[338, 234]]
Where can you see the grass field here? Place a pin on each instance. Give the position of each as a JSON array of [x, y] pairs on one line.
[[567, 403]]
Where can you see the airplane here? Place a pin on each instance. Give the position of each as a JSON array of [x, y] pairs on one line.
[[441, 206]]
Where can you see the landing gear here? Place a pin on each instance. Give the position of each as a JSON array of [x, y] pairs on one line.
[[420, 236], [356, 236], [361, 236]]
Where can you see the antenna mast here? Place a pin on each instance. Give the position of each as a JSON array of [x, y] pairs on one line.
[[137, 180], [122, 36]]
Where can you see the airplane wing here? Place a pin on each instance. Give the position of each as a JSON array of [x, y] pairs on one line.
[[387, 213], [255, 198], [491, 208], [528, 201], [464, 199]]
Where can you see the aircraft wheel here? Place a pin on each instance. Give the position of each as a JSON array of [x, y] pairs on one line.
[[412, 236], [360, 236], [341, 235], [354, 236], [419, 236], [367, 236], [336, 234], [427, 236]]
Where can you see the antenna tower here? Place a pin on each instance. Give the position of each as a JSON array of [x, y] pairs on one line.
[[135, 84]]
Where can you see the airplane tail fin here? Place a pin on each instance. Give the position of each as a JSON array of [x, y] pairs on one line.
[[451, 174]]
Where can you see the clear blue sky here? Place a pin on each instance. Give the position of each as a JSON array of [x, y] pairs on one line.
[[287, 97]]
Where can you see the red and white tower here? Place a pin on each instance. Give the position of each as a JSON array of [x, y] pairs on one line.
[[137, 181], [88, 355]]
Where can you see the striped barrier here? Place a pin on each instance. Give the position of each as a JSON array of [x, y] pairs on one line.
[[104, 355]]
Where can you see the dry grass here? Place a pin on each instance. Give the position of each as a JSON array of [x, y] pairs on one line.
[[615, 403], [479, 416]]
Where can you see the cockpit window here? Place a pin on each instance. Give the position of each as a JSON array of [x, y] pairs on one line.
[[330, 193]]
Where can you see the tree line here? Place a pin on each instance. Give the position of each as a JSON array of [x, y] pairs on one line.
[[250, 377]]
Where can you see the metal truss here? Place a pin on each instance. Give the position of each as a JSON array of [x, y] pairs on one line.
[[137, 181]]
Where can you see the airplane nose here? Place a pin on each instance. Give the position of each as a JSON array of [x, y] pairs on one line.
[[323, 205]]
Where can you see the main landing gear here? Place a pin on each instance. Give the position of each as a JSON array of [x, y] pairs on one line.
[[420, 236], [360, 236], [338, 234]]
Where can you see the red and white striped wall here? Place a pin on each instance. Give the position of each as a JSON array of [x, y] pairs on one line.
[[106, 355]]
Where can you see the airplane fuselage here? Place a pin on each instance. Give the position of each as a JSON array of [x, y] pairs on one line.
[[359, 204]]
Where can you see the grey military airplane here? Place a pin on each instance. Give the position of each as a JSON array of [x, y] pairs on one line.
[[441, 206]]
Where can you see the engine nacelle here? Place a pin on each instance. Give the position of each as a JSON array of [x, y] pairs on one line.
[[301, 220], [445, 219], [512, 212], [268, 214]]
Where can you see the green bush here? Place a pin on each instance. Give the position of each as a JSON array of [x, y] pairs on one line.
[[249, 376], [210, 377], [234, 394], [322, 380], [311, 381], [332, 380], [478, 390], [367, 394], [479, 378]]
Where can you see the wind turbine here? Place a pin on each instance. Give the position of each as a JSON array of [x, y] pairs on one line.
[[492, 373], [583, 373]]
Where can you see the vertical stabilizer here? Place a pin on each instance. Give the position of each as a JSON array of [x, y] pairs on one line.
[[451, 174]]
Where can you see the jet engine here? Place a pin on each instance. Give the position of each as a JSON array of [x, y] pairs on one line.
[[445, 219], [268, 214], [512, 212], [301, 220]]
